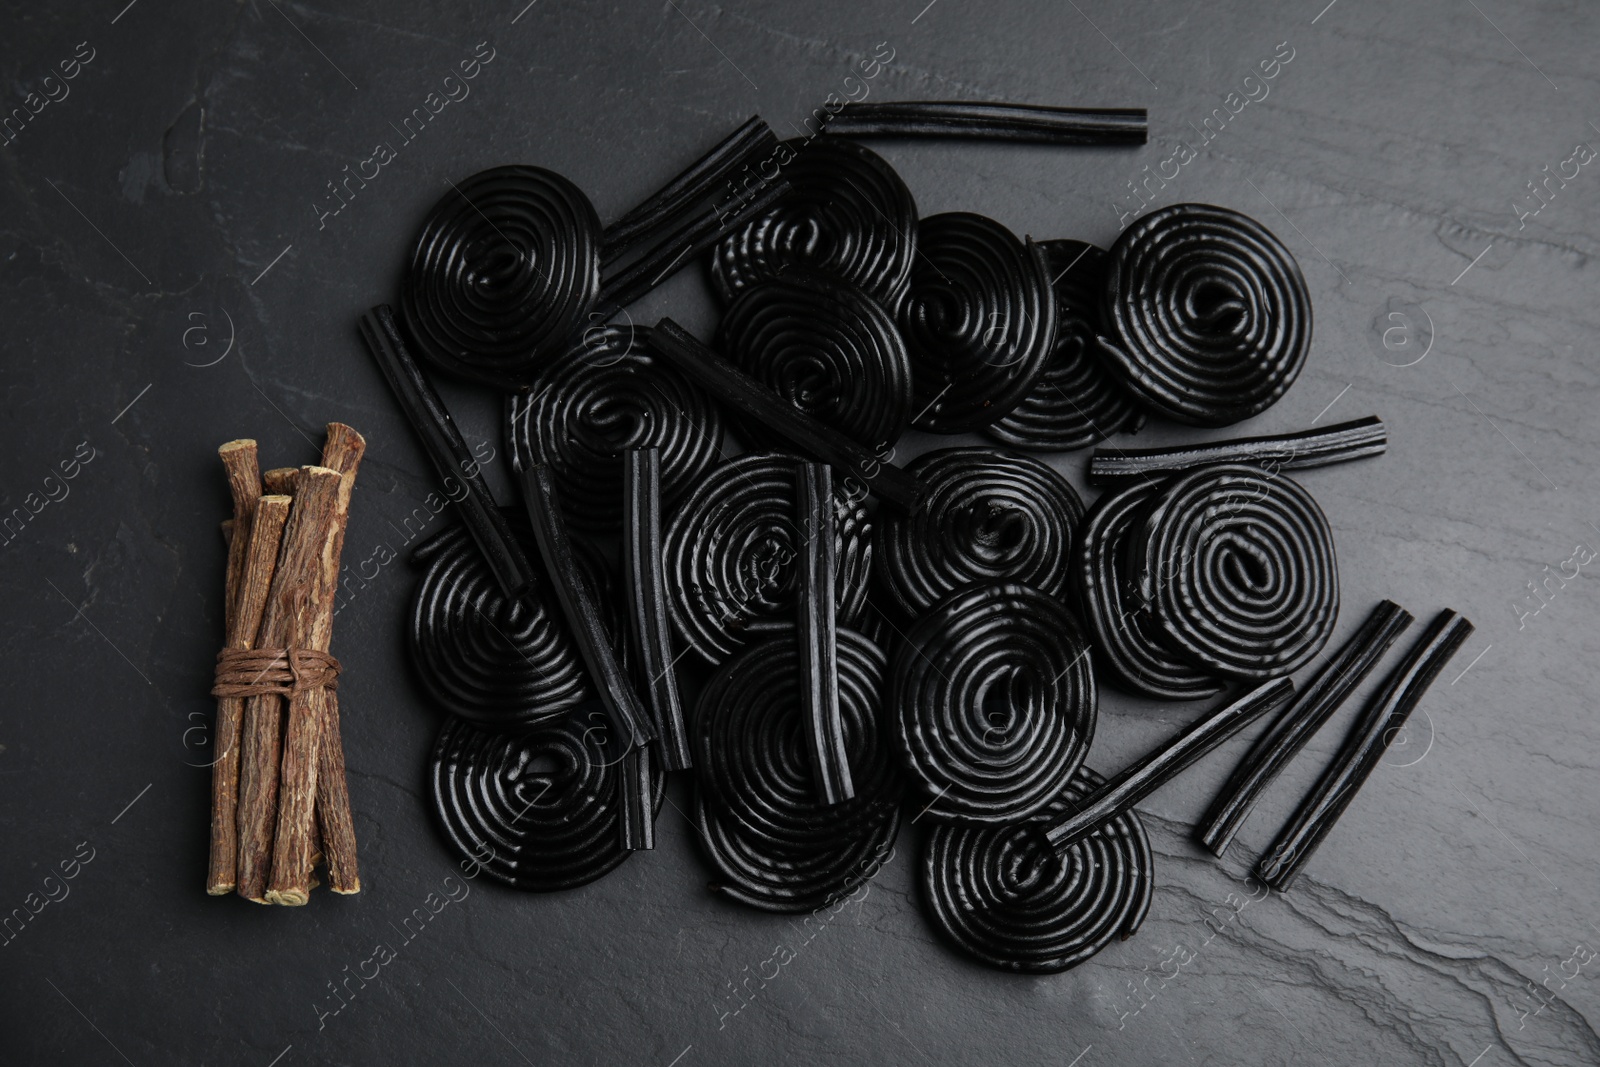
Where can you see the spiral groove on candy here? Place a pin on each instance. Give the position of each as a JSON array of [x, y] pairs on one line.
[[847, 215], [1239, 570], [826, 347], [1076, 400], [1207, 316], [1004, 897], [499, 662], [773, 841], [1119, 622], [539, 810], [730, 551], [502, 273], [986, 515], [995, 702], [979, 322], [605, 395]]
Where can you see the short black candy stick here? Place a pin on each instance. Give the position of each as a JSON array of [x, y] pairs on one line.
[[1122, 791], [431, 420], [649, 627], [993, 122], [817, 633], [1312, 707], [1384, 715]]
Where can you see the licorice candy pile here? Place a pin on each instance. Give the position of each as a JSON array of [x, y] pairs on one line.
[[723, 565]]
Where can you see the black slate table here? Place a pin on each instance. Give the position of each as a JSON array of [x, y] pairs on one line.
[[182, 261]]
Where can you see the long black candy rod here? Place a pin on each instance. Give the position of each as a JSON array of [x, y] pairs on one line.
[[583, 617], [437, 431], [818, 635], [1311, 708], [1380, 720], [1357, 439], [762, 406], [1126, 789], [994, 122], [648, 625], [637, 817]]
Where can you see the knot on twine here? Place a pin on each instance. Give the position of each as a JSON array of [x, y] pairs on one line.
[[249, 672]]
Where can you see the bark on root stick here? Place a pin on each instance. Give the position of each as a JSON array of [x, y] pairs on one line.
[[311, 521], [341, 452], [280, 480], [265, 532], [290, 881], [244, 485]]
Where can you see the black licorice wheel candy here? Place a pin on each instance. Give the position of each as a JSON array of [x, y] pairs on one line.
[[500, 662], [607, 394], [730, 554], [1207, 316], [538, 810], [847, 214], [1119, 622], [828, 348], [502, 274], [1239, 571], [1004, 897], [1077, 400], [774, 842], [994, 702], [986, 515], [979, 321]]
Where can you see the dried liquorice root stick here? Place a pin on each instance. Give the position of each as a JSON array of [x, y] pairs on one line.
[[1383, 716], [583, 616], [1311, 707], [261, 541], [280, 480], [994, 122], [1126, 789], [244, 485], [306, 732], [442, 441], [757, 403], [818, 636], [621, 286], [311, 521], [752, 142], [649, 627], [1357, 439]]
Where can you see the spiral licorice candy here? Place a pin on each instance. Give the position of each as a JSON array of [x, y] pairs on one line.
[[829, 349], [1004, 897], [1239, 571], [994, 702], [979, 321], [502, 274], [603, 396], [730, 552], [773, 841], [500, 662], [847, 214], [1120, 624], [1076, 401], [1207, 315], [986, 515], [538, 810]]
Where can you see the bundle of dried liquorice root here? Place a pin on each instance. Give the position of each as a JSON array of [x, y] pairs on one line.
[[279, 804]]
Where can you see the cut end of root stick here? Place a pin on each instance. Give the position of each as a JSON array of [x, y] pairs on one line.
[[291, 898]]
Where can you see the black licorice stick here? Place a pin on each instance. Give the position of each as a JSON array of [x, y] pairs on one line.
[[431, 421], [818, 635], [637, 823], [648, 625], [620, 287], [994, 122], [583, 618], [703, 178], [1384, 715], [1124, 790], [762, 406], [1357, 439], [1312, 707]]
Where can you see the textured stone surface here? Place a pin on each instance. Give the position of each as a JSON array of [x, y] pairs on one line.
[[169, 204]]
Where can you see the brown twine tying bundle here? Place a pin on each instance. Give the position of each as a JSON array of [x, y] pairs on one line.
[[249, 672]]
